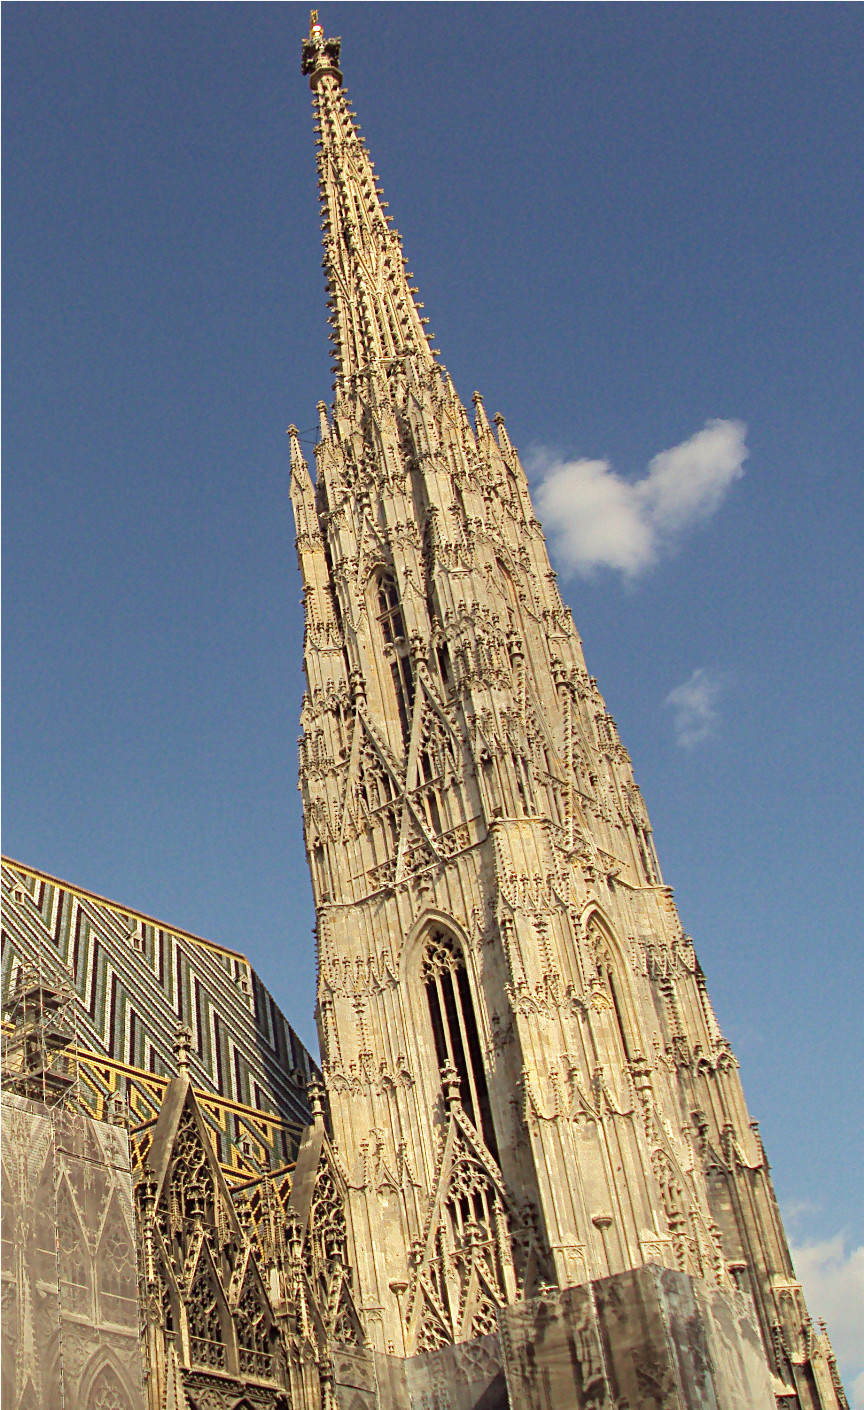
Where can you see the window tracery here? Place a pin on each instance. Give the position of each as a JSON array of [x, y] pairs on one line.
[[193, 1192], [75, 1261], [435, 763], [106, 1393], [206, 1344], [210, 1301], [345, 1328], [606, 983], [477, 1221], [254, 1347], [454, 1026], [463, 1269], [115, 1268], [326, 1236]]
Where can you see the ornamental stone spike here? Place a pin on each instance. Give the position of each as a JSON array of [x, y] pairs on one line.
[[482, 420], [299, 468]]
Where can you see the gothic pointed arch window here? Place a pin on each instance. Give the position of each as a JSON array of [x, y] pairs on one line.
[[76, 1262], [204, 1318], [608, 990], [106, 1392], [116, 1269], [454, 1026], [396, 647], [170, 1302], [254, 1331]]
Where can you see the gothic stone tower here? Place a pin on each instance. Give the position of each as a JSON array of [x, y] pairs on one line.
[[527, 1083]]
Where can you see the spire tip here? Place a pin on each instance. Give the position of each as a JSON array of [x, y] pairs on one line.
[[320, 55]]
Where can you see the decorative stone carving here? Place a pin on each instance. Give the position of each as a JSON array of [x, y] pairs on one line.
[[456, 751]]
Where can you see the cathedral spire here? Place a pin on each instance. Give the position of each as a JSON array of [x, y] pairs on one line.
[[507, 1002], [374, 319]]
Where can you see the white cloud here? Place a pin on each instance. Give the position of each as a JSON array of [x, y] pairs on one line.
[[833, 1281], [594, 518], [695, 706]]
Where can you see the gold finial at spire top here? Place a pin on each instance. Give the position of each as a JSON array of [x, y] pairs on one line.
[[320, 55]]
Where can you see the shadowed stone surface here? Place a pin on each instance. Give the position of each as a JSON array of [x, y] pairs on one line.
[[469, 1376], [647, 1339]]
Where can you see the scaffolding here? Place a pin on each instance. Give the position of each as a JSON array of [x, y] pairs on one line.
[[39, 1049]]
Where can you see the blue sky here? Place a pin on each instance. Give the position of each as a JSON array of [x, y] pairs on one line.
[[626, 221]]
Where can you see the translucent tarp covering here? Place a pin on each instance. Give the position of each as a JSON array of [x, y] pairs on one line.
[[70, 1332], [649, 1338]]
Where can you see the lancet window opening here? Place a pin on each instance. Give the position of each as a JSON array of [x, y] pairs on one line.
[[376, 785], [392, 624], [77, 1281], [254, 1338], [622, 1034], [643, 856], [391, 819], [322, 869], [454, 1025], [430, 777], [433, 811], [445, 668], [440, 649], [379, 798], [206, 1333], [427, 764], [616, 1004], [115, 1265], [522, 776]]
